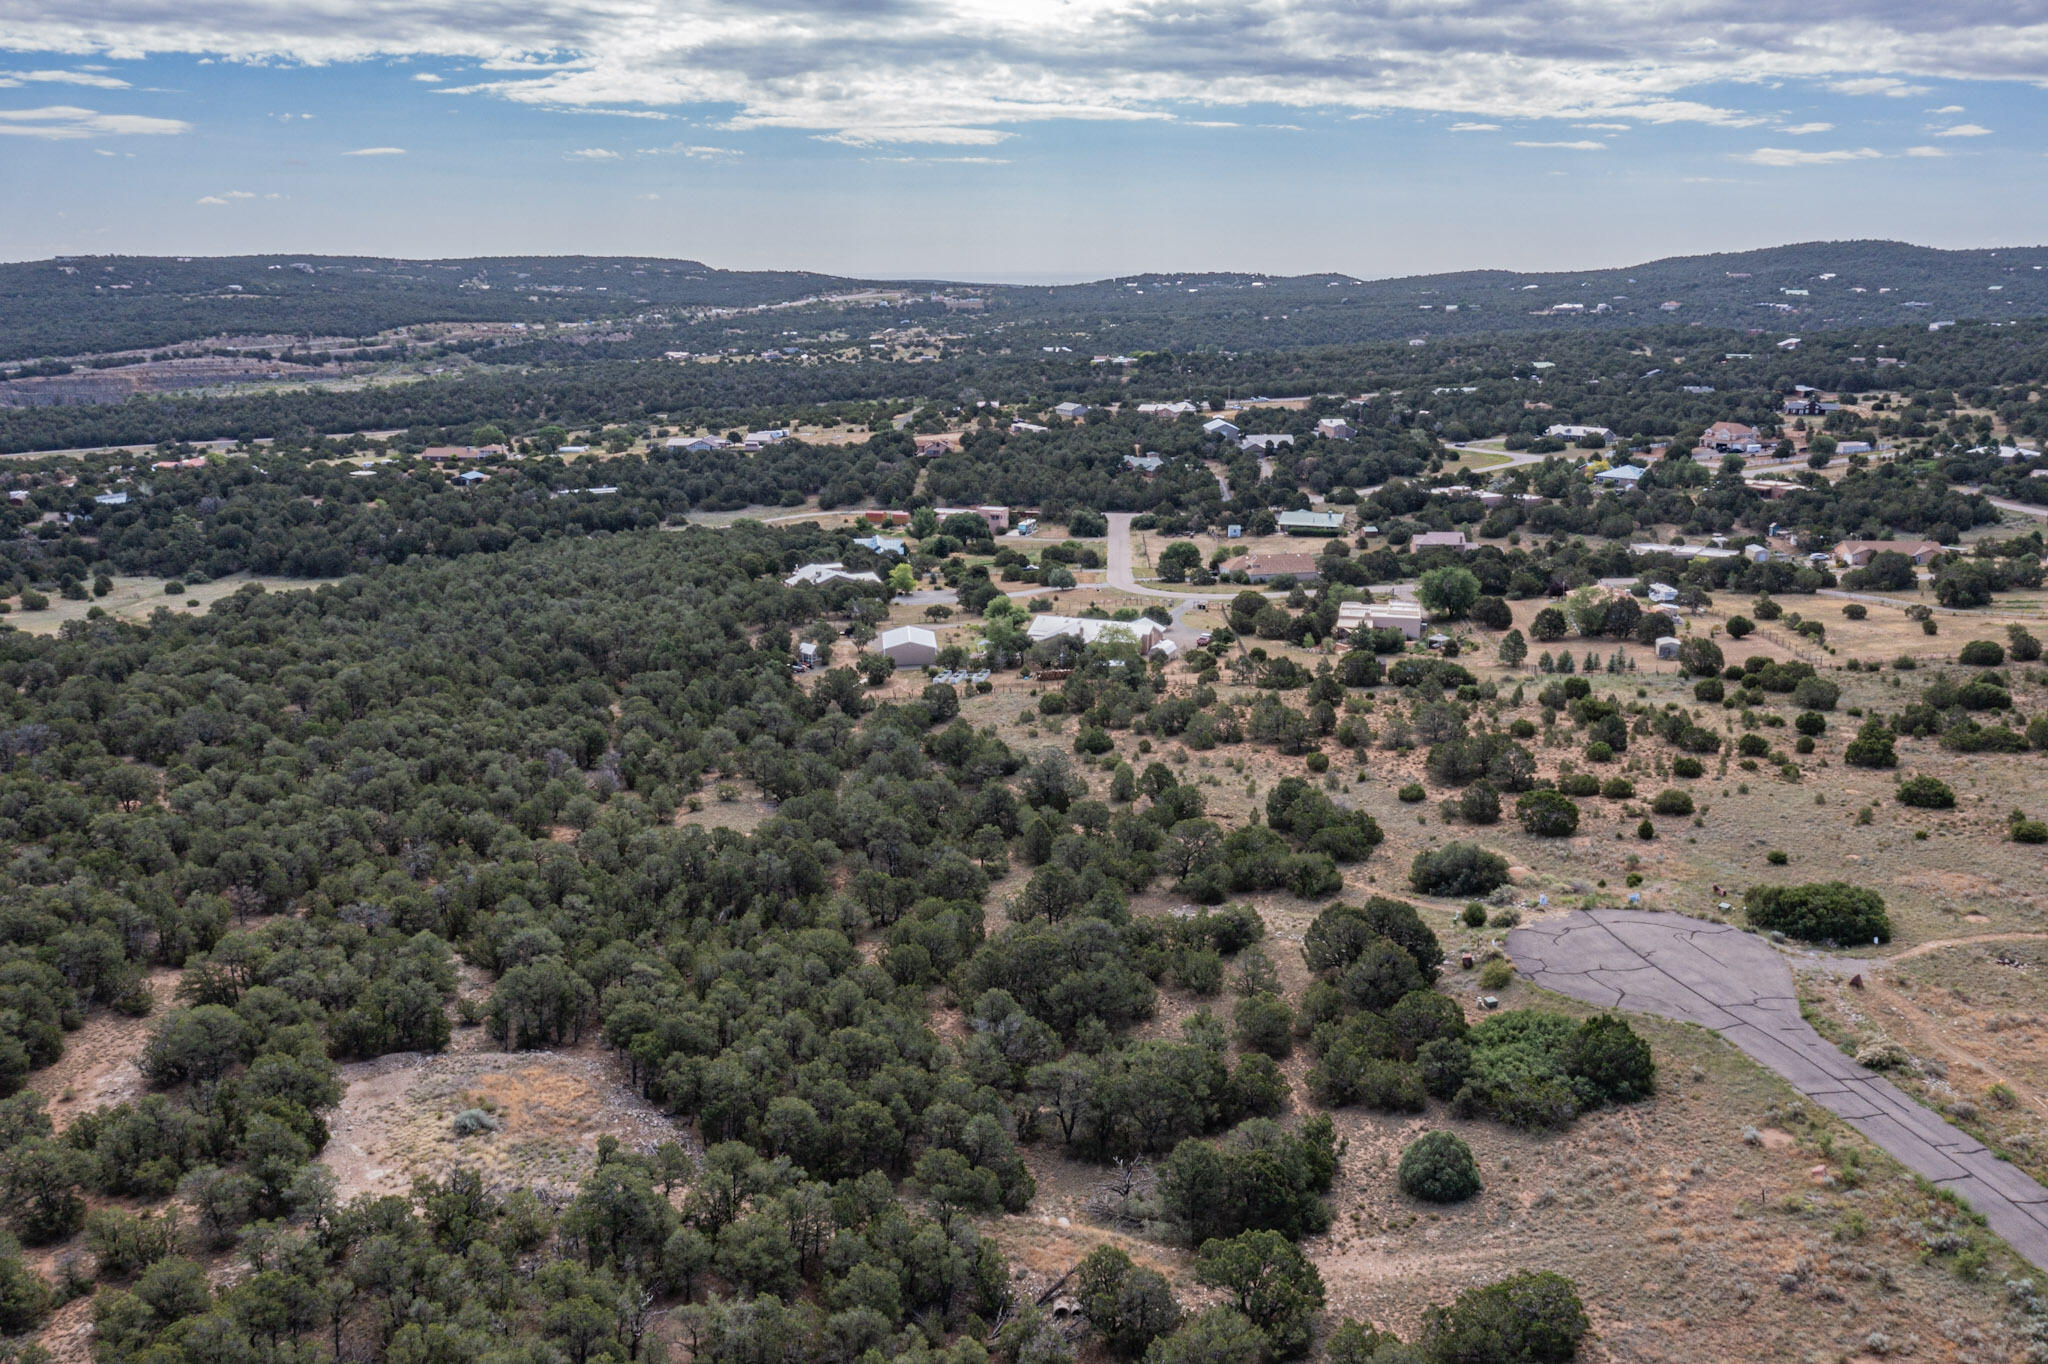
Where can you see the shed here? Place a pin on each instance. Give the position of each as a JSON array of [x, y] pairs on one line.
[[1667, 647], [911, 646]]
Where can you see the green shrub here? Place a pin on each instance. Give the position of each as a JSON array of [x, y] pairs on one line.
[[1578, 784], [1534, 1317], [1811, 722], [1265, 1024], [1130, 1306], [2028, 831], [1479, 804], [1688, 767], [1457, 869], [1981, 653], [1672, 801], [1855, 610], [1872, 747], [1437, 1167], [1610, 1060], [1474, 915], [1618, 788], [1926, 793], [1777, 857], [1260, 1177], [1825, 911], [1709, 690], [1548, 814], [1646, 831], [1412, 792]]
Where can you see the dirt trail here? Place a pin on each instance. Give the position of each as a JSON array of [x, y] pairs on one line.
[[1941, 944]]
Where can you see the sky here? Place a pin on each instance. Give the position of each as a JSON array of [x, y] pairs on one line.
[[1006, 140]]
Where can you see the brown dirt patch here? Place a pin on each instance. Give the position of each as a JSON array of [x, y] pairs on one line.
[[395, 1120], [98, 1064]]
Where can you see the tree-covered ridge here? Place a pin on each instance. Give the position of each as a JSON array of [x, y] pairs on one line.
[[77, 304]]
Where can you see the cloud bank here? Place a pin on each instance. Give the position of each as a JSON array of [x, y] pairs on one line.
[[871, 73]]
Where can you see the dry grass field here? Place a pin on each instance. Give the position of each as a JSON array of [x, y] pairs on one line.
[[136, 599]]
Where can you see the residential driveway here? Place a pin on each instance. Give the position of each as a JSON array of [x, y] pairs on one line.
[[1734, 982]]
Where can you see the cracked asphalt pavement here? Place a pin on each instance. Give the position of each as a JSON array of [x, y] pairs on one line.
[[1734, 982]]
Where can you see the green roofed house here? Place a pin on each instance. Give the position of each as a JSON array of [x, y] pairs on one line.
[[1312, 522]]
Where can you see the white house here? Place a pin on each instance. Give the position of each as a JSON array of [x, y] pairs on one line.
[[1621, 476], [1219, 427], [1147, 463], [1088, 629], [1663, 592], [1267, 442], [1335, 428], [1071, 411], [1405, 616], [111, 500], [881, 544], [911, 646], [817, 575], [1440, 539], [1564, 431], [696, 445]]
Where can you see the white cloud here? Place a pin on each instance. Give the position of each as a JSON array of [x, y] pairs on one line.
[[427, 76], [1212, 123], [1475, 127], [214, 199], [1806, 129], [1963, 130], [1927, 152], [693, 152], [95, 79], [1604, 127], [592, 154], [1890, 86], [1568, 146], [1947, 109], [376, 151], [63, 122], [222, 199], [1799, 156], [872, 136], [875, 73]]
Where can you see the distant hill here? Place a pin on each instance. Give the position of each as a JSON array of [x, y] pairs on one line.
[[79, 305]]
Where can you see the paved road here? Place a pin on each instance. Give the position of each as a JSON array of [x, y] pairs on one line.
[[1123, 577], [1735, 983]]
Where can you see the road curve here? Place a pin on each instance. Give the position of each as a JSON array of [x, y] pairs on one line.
[[1124, 578], [1722, 978]]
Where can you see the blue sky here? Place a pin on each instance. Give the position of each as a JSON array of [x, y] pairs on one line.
[[990, 139]]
